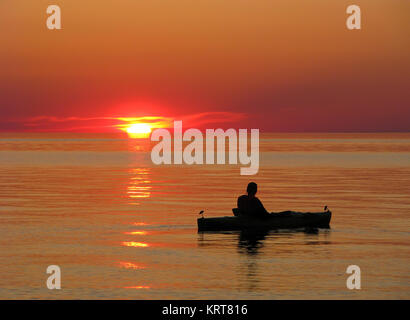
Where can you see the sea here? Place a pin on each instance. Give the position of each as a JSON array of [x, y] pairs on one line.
[[119, 227]]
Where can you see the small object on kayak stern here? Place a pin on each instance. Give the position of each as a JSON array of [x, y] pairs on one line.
[[202, 213]]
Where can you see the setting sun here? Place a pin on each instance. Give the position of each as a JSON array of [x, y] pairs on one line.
[[139, 130], [141, 127]]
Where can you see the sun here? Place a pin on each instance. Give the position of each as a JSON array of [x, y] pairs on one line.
[[138, 130]]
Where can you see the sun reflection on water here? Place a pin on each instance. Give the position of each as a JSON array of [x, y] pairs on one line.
[[130, 265], [139, 233], [139, 224], [140, 184], [134, 244]]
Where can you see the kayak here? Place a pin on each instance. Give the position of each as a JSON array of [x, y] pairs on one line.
[[280, 220]]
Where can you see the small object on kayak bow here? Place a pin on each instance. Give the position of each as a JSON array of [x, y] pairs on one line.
[[325, 208], [202, 213]]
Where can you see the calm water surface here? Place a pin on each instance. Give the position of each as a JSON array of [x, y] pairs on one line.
[[122, 228]]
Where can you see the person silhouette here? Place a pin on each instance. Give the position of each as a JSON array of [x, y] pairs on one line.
[[250, 205]]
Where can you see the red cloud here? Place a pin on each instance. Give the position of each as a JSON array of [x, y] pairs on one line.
[[110, 124]]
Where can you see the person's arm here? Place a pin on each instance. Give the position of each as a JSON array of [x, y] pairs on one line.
[[261, 208]]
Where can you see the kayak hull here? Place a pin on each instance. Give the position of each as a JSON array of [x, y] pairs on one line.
[[283, 220]]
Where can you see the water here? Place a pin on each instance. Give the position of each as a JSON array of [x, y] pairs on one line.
[[122, 228]]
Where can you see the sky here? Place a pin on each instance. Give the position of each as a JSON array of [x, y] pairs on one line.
[[279, 66]]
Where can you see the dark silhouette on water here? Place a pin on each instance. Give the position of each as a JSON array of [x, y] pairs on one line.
[[251, 241], [250, 205], [251, 214]]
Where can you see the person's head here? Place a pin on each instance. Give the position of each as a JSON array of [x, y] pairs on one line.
[[252, 189]]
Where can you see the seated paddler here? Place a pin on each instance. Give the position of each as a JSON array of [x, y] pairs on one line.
[[250, 205]]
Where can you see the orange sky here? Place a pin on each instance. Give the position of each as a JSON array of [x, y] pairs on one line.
[[282, 65]]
